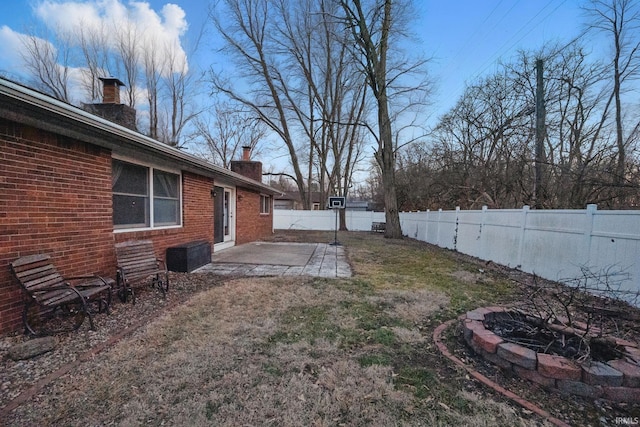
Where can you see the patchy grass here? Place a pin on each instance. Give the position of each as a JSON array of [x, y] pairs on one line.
[[296, 351], [417, 379], [375, 359]]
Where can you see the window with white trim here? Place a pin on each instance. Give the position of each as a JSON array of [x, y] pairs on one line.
[[265, 204], [144, 197], [166, 198]]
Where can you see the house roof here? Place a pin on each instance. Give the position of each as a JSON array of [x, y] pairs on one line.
[[27, 106]]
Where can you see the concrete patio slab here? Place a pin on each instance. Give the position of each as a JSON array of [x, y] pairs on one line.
[[280, 259], [291, 254]]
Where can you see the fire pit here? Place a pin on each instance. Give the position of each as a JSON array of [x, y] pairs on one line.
[[608, 368]]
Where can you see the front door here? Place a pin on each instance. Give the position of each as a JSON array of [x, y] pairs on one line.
[[223, 215]]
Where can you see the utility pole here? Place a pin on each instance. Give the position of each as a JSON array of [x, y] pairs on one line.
[[540, 134]]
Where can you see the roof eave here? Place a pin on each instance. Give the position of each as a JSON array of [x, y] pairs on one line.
[[26, 106]]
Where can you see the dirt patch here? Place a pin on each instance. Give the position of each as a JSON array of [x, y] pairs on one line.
[[412, 306], [470, 277]]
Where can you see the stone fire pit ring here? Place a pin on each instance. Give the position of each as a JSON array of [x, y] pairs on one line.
[[616, 380]]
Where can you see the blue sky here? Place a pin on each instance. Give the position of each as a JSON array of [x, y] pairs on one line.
[[465, 38]]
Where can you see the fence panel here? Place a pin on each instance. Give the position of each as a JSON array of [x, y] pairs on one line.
[[469, 232], [414, 225], [361, 220], [323, 220], [501, 236], [615, 247], [554, 244], [303, 220]]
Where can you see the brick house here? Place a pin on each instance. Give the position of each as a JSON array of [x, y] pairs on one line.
[[72, 184]]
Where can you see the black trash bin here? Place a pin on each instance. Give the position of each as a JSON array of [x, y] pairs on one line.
[[189, 256]]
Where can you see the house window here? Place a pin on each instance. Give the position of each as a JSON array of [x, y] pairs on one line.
[[265, 204], [166, 198], [144, 197]]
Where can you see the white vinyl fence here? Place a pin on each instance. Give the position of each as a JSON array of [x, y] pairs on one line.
[[554, 244]]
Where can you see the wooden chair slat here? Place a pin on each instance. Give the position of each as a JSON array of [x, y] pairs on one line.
[[47, 288], [137, 262]]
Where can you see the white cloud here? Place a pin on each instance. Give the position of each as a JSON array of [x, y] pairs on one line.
[[10, 47], [69, 16], [157, 32], [12, 43], [153, 32], [175, 19]]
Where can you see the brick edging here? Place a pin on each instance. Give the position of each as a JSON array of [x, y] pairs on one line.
[[486, 381], [617, 380]]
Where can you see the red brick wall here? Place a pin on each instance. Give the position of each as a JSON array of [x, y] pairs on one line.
[[197, 218], [251, 225], [248, 168], [55, 198]]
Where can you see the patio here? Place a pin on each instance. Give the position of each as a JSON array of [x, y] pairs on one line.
[[280, 259]]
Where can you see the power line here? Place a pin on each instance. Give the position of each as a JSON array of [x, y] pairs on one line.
[[464, 46], [501, 51]]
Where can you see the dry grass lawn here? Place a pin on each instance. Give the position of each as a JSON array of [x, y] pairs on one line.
[[296, 351]]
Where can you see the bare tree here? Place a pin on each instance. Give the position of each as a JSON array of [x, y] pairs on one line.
[[221, 135], [94, 46], [179, 83], [49, 65], [576, 144], [374, 26], [245, 29], [300, 83], [481, 146], [152, 69], [621, 20], [331, 96], [129, 56], [481, 151]]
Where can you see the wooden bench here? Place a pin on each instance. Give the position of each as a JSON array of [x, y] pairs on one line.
[[54, 303], [379, 227], [137, 263]]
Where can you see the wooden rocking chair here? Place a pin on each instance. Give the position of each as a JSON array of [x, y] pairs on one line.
[[52, 299]]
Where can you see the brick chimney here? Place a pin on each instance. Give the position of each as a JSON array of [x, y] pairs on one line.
[[110, 90], [111, 108], [246, 166]]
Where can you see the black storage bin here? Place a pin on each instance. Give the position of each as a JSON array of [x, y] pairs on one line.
[[189, 256]]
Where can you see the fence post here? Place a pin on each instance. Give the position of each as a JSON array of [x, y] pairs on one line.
[[588, 232], [523, 230], [426, 226], [483, 218], [455, 230], [438, 229]]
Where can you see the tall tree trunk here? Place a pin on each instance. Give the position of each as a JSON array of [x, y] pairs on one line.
[[374, 54], [620, 166], [386, 160]]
